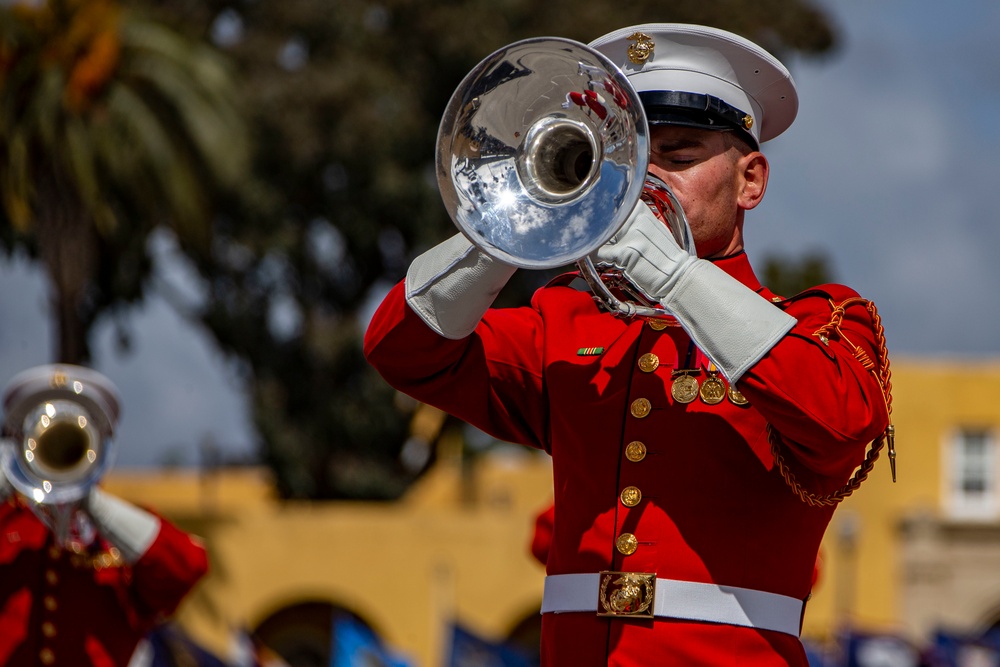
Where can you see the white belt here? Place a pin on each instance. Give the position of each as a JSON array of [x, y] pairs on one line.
[[681, 599]]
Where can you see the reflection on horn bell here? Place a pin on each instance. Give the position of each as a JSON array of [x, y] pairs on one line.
[[541, 156]]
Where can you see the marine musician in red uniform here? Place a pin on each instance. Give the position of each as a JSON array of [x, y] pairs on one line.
[[81, 583], [698, 460]]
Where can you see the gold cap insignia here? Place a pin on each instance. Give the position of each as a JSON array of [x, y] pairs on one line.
[[747, 121], [642, 50]]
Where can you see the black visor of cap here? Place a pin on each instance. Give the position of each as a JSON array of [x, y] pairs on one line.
[[669, 107]]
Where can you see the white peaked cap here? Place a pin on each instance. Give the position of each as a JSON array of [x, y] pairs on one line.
[[704, 77]]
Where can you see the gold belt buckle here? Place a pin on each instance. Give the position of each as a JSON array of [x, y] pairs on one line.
[[626, 594]]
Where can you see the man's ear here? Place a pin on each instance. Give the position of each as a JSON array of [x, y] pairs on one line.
[[753, 172]]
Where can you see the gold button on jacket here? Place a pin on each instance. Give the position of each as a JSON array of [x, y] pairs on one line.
[[641, 407], [649, 362], [627, 544], [635, 451], [631, 495]]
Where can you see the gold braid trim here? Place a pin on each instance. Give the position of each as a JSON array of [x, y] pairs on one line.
[[880, 369]]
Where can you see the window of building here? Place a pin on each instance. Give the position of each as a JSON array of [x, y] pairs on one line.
[[971, 469]]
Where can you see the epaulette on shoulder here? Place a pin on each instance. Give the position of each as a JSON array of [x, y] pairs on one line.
[[830, 292], [875, 361]]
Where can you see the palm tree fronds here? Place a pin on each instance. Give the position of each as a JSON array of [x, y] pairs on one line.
[[16, 184], [152, 149], [212, 124], [110, 125]]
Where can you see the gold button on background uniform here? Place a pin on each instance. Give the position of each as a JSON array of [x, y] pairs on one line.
[[51, 577], [48, 629], [626, 544], [47, 656], [50, 603], [631, 495], [657, 325], [635, 451], [641, 407], [648, 362]]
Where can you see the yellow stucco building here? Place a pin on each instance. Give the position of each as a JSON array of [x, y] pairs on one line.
[[923, 553], [907, 557], [456, 548]]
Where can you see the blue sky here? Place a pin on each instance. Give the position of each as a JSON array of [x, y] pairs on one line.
[[890, 170]]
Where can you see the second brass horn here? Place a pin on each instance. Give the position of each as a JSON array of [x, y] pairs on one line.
[[542, 154], [58, 424]]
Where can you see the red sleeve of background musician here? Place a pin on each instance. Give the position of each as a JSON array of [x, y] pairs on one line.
[[491, 379], [167, 572], [541, 537], [22, 544], [820, 397]]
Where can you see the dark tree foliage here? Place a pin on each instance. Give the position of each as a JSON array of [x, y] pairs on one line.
[[345, 98], [787, 276], [110, 126]]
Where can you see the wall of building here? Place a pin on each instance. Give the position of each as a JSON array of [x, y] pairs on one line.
[[407, 569], [893, 560]]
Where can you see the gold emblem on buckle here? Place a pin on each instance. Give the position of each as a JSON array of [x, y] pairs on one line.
[[627, 594]]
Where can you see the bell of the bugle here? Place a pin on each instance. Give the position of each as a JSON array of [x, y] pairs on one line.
[[540, 152], [58, 426], [541, 156]]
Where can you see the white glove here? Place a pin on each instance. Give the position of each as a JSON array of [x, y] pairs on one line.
[[728, 321], [453, 284], [127, 527]]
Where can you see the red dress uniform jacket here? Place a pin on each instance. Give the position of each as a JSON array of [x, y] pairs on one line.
[[561, 375], [60, 608]]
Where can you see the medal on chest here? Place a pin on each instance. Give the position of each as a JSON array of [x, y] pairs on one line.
[[735, 397], [684, 381], [713, 389], [684, 387]]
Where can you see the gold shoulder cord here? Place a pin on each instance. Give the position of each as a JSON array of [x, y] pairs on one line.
[[880, 369]]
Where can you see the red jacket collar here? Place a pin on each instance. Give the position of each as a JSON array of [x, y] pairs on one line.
[[738, 266]]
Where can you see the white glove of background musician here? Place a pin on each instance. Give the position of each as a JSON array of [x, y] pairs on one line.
[[728, 321], [124, 525]]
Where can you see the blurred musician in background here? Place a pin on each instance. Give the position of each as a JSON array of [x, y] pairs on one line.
[[84, 575]]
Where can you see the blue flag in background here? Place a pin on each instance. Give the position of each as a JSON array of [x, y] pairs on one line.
[[879, 650], [819, 655], [469, 650], [168, 645], [954, 649], [355, 645]]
